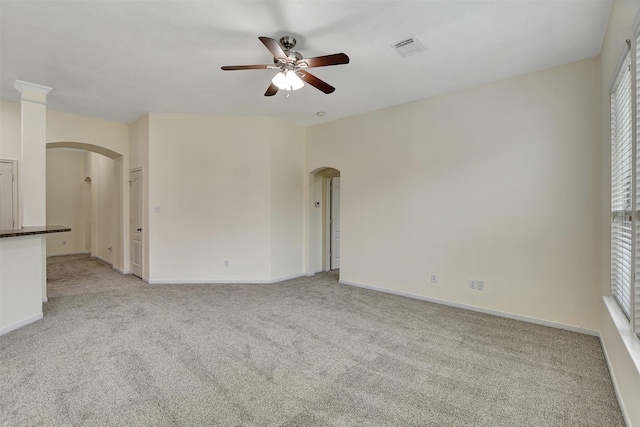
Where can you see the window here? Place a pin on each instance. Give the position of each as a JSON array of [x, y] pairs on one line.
[[635, 296], [625, 184], [622, 187]]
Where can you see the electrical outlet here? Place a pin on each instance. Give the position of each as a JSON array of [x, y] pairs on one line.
[[480, 285], [226, 263], [472, 284], [434, 278]]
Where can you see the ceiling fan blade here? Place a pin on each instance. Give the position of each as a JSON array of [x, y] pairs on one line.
[[323, 61], [272, 90], [274, 48], [247, 67], [316, 82]]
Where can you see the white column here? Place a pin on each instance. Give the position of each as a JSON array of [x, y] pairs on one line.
[[32, 169]]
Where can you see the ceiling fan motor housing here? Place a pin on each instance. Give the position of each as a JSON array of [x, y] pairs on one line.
[[288, 42]]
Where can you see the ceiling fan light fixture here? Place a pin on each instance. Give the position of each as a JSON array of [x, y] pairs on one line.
[[279, 80], [294, 81], [287, 80]]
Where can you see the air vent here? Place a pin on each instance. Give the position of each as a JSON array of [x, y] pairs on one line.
[[408, 47]]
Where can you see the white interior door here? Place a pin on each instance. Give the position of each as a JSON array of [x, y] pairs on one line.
[[135, 206], [334, 258], [7, 196]]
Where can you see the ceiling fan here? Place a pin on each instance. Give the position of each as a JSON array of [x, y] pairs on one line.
[[292, 66]]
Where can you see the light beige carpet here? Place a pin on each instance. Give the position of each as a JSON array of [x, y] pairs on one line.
[[112, 350]]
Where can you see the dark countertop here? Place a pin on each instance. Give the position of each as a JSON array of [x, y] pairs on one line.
[[28, 231]]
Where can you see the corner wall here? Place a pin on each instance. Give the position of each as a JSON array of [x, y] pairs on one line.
[[497, 183], [212, 179], [65, 200], [287, 171]]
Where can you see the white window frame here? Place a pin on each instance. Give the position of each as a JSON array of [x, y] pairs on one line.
[[634, 46], [625, 258], [622, 185]]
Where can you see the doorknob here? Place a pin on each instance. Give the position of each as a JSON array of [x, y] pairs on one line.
[[138, 229]]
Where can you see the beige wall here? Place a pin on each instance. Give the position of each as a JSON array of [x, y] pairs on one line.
[[66, 127], [106, 218], [316, 218], [621, 346], [287, 173], [65, 200], [10, 139], [497, 183], [211, 177]]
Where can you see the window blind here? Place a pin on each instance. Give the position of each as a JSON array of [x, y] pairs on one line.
[[622, 188], [635, 305]]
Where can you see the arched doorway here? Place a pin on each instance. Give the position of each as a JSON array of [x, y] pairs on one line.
[[104, 185], [324, 220]]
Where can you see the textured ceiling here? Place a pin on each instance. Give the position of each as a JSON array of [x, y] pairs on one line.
[[119, 60]]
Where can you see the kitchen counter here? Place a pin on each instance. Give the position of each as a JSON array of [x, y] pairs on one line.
[[23, 275], [29, 231]]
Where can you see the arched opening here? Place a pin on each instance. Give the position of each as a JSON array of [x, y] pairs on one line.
[[324, 221], [86, 147], [85, 190]]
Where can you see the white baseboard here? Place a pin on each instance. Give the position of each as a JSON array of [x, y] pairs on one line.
[[507, 315], [224, 281], [314, 272], [207, 282], [283, 278], [70, 253], [121, 271], [20, 324], [99, 258]]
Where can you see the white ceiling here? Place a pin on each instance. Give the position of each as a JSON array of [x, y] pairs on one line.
[[119, 60]]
